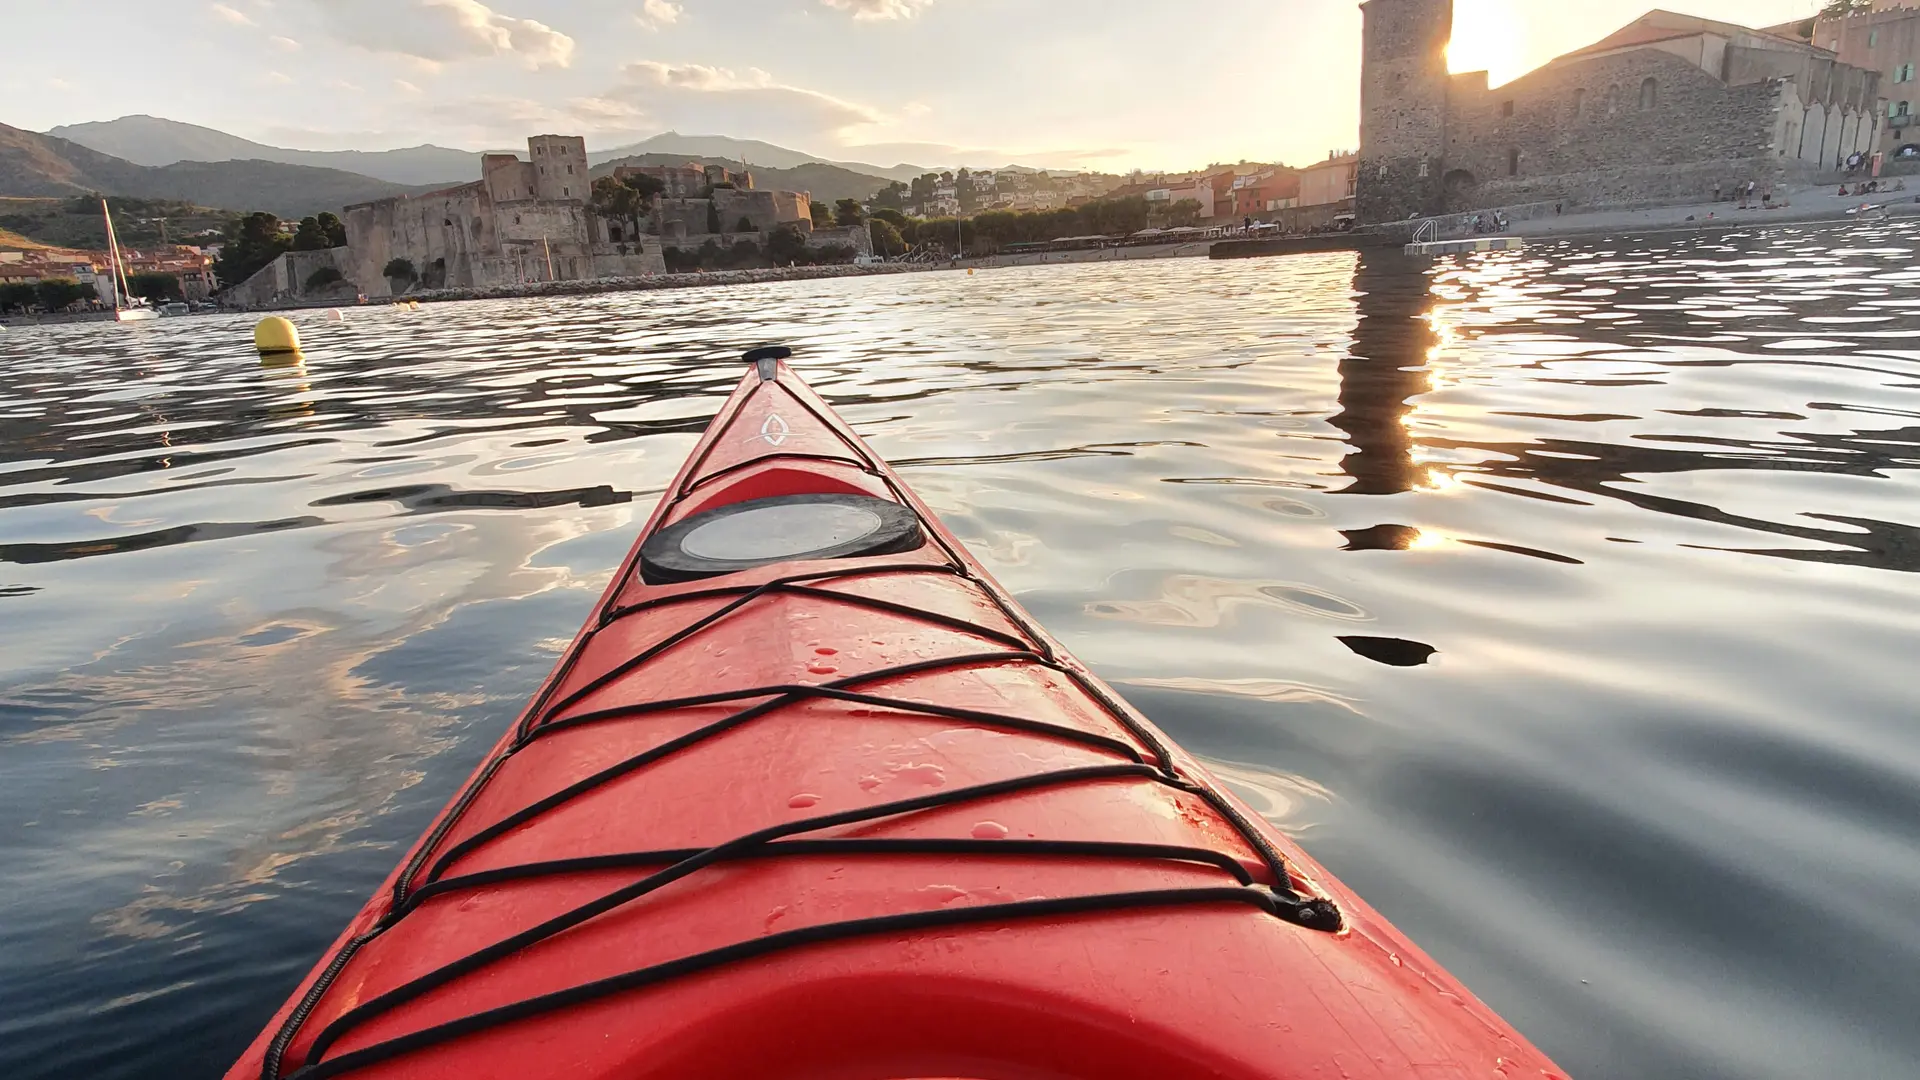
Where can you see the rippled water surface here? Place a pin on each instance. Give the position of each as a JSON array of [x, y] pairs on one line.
[[1564, 604]]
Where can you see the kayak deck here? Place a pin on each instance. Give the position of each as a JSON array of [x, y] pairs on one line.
[[856, 819]]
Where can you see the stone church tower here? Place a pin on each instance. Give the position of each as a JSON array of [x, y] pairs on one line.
[[1403, 109]]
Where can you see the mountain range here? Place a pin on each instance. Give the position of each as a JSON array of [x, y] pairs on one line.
[[149, 157], [151, 140], [32, 164]]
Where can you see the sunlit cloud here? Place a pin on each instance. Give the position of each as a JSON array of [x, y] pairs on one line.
[[444, 31], [655, 14], [880, 10]]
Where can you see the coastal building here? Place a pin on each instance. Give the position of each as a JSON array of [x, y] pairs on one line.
[[1326, 197], [1261, 195], [1670, 107], [1199, 189], [1885, 39], [191, 266]]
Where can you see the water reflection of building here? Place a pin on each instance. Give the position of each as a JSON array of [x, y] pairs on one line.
[[1384, 368]]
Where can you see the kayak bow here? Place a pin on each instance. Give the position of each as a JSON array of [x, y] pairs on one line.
[[811, 797]]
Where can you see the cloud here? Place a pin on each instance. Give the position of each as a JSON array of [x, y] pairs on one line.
[[874, 10], [706, 98], [278, 78], [655, 14], [507, 121], [444, 31], [284, 44], [237, 18], [405, 87]]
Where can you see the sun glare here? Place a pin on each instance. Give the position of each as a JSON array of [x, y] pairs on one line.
[[1490, 36]]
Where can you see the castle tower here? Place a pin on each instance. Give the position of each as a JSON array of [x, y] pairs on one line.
[[559, 167], [1403, 108]]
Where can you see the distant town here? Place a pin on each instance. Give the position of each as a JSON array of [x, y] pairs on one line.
[[1671, 109]]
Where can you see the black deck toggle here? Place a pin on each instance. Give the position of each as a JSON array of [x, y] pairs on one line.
[[766, 358]]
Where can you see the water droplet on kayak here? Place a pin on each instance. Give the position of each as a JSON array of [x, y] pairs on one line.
[[822, 669], [868, 783], [801, 802], [990, 830], [930, 775], [824, 651]]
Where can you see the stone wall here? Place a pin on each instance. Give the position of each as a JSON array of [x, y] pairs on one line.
[[1403, 107], [285, 280], [679, 220], [1597, 132], [859, 238]]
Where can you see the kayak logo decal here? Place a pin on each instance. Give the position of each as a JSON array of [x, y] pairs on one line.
[[774, 432]]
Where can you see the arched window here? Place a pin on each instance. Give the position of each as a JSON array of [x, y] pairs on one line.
[[1579, 103], [1901, 108], [1649, 94]]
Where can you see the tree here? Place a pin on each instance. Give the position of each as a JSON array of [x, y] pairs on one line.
[[19, 294], [324, 277], [335, 229], [893, 217], [310, 236], [963, 188], [401, 270], [822, 215], [787, 244], [156, 287], [887, 241], [922, 189], [892, 197], [1183, 213], [847, 214], [743, 253], [649, 187], [58, 294], [250, 243], [626, 200]]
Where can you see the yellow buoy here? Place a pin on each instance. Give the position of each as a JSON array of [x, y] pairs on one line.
[[276, 335]]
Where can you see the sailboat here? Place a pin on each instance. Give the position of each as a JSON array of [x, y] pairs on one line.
[[126, 306]]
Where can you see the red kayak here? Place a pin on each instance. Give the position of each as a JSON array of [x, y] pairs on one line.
[[811, 798]]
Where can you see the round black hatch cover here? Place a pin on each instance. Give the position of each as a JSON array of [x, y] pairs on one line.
[[765, 531]]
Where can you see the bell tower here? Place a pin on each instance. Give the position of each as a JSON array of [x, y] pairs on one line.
[[1403, 108]]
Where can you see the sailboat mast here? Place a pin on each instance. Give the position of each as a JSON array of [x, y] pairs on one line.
[[118, 275]]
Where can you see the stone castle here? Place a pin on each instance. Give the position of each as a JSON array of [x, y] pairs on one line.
[[521, 221], [1669, 108], [530, 221]]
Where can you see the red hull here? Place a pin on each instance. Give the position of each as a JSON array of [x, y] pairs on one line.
[[977, 862]]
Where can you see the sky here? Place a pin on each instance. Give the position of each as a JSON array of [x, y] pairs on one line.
[[1099, 84]]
